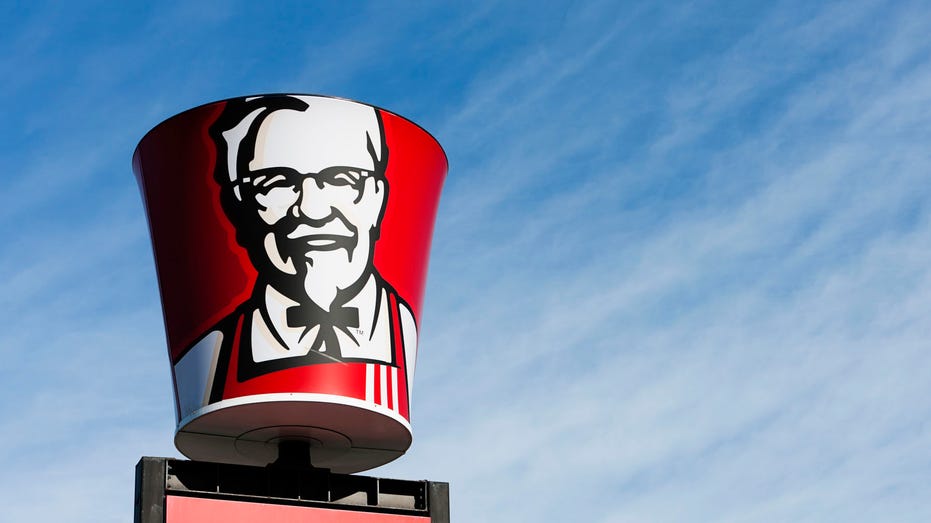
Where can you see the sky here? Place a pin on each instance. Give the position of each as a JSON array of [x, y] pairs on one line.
[[681, 269]]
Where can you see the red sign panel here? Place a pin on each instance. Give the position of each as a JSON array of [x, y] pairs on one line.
[[179, 509]]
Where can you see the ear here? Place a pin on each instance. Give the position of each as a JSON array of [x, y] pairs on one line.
[[376, 189], [379, 196], [381, 191]]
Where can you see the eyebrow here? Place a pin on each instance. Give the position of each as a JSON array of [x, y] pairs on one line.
[[273, 171], [272, 174], [355, 172]]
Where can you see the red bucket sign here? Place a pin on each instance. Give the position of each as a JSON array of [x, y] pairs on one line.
[[291, 235]]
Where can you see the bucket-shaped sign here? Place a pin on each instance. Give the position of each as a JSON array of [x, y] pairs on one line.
[[291, 235]]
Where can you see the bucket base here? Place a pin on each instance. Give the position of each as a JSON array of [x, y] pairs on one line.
[[342, 436]]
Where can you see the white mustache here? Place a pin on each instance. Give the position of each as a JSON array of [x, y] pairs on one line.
[[333, 228]]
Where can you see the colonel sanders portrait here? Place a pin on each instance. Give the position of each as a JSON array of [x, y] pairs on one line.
[[302, 181]]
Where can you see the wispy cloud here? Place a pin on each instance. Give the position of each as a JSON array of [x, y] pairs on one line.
[[754, 354]]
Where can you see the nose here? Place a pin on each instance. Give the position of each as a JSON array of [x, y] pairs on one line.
[[315, 201]]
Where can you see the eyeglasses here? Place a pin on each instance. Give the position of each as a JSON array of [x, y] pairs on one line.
[[264, 180]]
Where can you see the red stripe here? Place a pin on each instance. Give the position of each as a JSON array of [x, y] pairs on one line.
[[390, 389], [398, 342], [377, 370]]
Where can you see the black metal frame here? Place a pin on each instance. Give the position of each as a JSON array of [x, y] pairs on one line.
[[159, 477]]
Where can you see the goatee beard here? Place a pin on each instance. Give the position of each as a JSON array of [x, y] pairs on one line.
[[321, 291]]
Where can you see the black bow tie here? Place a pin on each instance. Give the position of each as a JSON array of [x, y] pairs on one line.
[[310, 316]]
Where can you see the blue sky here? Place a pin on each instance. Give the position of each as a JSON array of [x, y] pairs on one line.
[[681, 269]]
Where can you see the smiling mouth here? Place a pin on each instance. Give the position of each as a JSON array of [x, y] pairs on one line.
[[327, 242], [307, 237]]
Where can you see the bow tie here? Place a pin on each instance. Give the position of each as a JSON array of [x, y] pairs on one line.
[[310, 316]]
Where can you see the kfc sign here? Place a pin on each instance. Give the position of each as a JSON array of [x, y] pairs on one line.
[[179, 509], [291, 236]]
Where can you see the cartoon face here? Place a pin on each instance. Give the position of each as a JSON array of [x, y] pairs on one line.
[[313, 207]]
